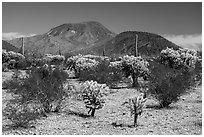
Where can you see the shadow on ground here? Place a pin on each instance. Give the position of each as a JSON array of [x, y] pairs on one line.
[[14, 127], [158, 107], [114, 124], [79, 114]]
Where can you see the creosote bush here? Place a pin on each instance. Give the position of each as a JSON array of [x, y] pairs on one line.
[[93, 95], [44, 87], [21, 115], [172, 75]]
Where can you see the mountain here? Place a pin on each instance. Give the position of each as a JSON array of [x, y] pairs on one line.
[[66, 38], [148, 44], [92, 38], [9, 47]]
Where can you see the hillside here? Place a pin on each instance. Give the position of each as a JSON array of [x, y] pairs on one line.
[[124, 43], [9, 47], [66, 38]]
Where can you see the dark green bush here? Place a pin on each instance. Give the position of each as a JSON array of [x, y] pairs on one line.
[[44, 85], [198, 71], [168, 84], [21, 115]]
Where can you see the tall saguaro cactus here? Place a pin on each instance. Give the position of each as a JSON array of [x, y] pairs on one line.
[[136, 105], [23, 50], [136, 50]]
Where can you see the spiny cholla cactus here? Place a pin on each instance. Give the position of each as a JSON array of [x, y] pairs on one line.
[[115, 64], [135, 67], [92, 94], [81, 62], [86, 63], [71, 62], [7, 56], [10, 59], [95, 57], [56, 59], [186, 58], [136, 106]]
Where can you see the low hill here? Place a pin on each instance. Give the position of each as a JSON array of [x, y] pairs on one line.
[[149, 44]]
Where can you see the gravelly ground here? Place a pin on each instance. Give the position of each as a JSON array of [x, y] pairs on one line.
[[183, 117]]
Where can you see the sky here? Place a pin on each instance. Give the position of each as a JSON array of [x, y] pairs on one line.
[[176, 21]]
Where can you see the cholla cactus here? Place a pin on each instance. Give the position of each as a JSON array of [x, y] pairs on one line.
[[92, 94], [135, 67], [136, 106], [186, 58], [86, 63], [116, 64], [95, 57], [71, 62], [56, 59]]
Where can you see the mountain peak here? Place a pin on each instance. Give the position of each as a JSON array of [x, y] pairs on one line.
[[68, 37], [89, 26]]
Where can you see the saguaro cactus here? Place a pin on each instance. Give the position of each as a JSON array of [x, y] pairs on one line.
[[136, 105]]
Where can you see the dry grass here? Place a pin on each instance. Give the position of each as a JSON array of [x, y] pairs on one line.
[[183, 117]]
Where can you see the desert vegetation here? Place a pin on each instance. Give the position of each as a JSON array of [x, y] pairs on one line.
[[42, 87]]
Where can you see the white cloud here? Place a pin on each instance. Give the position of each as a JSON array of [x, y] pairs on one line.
[[193, 41], [13, 35]]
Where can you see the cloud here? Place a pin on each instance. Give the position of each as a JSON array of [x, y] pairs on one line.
[[13, 35], [193, 41]]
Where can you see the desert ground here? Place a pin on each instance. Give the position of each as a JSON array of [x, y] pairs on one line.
[[181, 118]]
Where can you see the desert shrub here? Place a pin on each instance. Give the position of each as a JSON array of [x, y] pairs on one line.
[[21, 115], [198, 71], [5, 56], [33, 61], [171, 78], [5, 67], [44, 85], [14, 60], [21, 64], [54, 59], [93, 95]]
